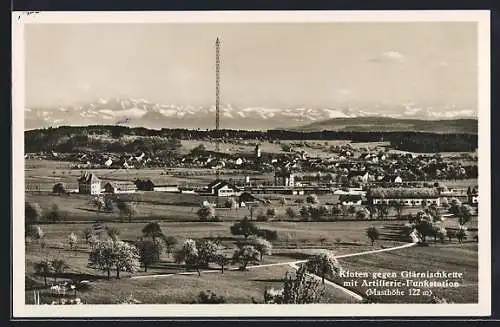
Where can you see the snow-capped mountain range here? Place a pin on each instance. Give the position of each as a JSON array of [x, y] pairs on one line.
[[144, 113]]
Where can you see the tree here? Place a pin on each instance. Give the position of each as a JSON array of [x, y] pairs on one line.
[[108, 203], [87, 234], [153, 230], [441, 233], [34, 232], [351, 210], [424, 228], [206, 213], [336, 210], [126, 257], [244, 255], [99, 203], [118, 255], [58, 266], [188, 254], [283, 201], [44, 268], [127, 209], [271, 212], [263, 246], [32, 213], [170, 243], [297, 289], [451, 233], [230, 203], [207, 252], [464, 214], [102, 256], [305, 212], [244, 227], [59, 189], [362, 214], [55, 214], [291, 213], [373, 234], [312, 199], [113, 233], [461, 235], [322, 264], [382, 210], [72, 239], [398, 207], [149, 252], [221, 260]]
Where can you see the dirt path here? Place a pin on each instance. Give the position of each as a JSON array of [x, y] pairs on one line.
[[290, 263]]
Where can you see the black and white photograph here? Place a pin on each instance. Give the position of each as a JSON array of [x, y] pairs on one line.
[[225, 163]]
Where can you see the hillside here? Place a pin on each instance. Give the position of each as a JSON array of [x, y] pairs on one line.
[[386, 124]]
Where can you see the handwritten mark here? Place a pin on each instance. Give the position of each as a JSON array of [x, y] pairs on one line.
[[27, 13]]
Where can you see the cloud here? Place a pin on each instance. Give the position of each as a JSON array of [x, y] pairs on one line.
[[388, 56]]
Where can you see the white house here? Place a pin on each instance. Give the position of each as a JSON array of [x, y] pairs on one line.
[[119, 187], [223, 188], [350, 199], [398, 180], [238, 161], [108, 162], [89, 184], [404, 196]]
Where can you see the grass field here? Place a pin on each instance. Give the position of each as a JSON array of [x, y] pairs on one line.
[[176, 214], [436, 257]]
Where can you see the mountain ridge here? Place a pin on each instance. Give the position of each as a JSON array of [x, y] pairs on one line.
[[143, 113]]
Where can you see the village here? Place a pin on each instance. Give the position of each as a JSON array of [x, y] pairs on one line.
[[299, 200]]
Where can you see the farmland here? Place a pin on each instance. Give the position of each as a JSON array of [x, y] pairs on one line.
[[298, 227]]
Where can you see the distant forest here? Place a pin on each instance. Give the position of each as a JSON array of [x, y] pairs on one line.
[[72, 138]]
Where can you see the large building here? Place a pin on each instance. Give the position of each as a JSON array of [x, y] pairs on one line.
[[89, 183], [223, 188], [119, 187], [416, 196]]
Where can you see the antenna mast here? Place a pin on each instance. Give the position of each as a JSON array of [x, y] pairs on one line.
[[217, 90]]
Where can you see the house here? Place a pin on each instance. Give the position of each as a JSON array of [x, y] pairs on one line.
[[108, 163], [246, 199], [223, 188], [119, 187], [89, 183], [238, 162], [473, 196], [284, 178], [350, 199], [411, 196], [398, 180], [367, 177]]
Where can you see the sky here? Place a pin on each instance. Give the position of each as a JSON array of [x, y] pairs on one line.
[[269, 65]]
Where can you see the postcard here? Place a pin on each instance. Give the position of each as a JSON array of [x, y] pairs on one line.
[[251, 164]]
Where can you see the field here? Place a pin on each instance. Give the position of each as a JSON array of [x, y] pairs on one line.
[[176, 214]]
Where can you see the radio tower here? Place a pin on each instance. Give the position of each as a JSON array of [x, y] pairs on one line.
[[217, 90]]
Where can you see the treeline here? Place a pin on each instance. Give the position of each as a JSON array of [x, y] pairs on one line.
[[67, 138]]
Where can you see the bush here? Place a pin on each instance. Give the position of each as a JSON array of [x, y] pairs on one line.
[[270, 235], [271, 212], [262, 218], [209, 297]]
